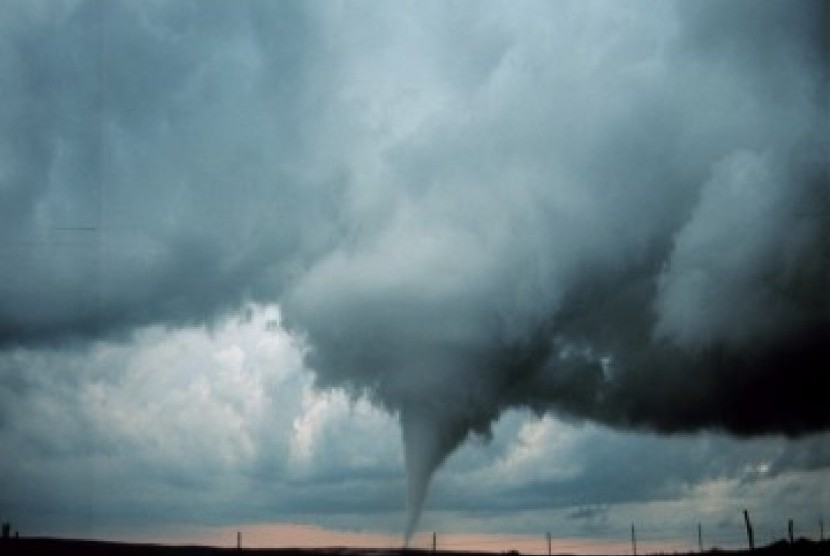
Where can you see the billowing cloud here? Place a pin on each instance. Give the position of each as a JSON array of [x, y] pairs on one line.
[[632, 234], [109, 442], [153, 166], [608, 211], [188, 425]]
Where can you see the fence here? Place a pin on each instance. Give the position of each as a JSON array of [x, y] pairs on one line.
[[641, 538]]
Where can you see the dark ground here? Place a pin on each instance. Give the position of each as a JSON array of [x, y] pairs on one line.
[[63, 547]]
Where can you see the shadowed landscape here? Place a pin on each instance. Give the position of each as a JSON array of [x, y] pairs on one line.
[[60, 547]]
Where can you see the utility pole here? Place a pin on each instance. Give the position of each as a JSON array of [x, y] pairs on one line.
[[433, 541], [633, 541], [749, 535], [548, 543], [699, 537], [790, 529]]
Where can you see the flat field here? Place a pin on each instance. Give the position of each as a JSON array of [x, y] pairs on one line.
[[67, 547]]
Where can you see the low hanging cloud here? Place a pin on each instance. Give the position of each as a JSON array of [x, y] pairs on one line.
[[612, 211]]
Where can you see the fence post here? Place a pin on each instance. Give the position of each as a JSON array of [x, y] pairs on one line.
[[633, 541], [548, 535], [749, 534], [790, 530], [700, 537]]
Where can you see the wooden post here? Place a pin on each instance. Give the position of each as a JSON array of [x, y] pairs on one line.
[[790, 529], [633, 541], [434, 543], [821, 527], [749, 534], [699, 537], [548, 543], [239, 540]]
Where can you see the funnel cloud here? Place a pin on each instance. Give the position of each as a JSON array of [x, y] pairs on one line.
[[608, 211]]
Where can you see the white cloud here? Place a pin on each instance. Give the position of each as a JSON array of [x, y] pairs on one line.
[[194, 402]]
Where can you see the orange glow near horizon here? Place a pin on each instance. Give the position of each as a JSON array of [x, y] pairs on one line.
[[290, 535]]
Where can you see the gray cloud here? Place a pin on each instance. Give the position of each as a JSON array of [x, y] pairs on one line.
[[185, 426], [633, 235], [608, 211], [152, 159], [112, 440]]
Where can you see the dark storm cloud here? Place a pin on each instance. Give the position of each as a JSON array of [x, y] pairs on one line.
[[634, 234], [611, 211], [148, 153]]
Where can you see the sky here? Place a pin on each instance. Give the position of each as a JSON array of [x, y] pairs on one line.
[[359, 271]]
